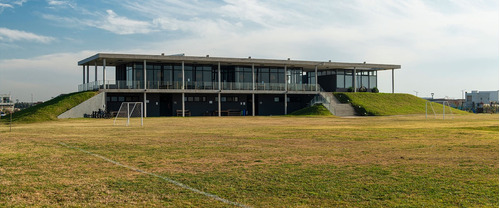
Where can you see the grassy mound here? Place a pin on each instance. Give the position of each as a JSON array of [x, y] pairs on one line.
[[315, 110], [51, 109], [384, 104]]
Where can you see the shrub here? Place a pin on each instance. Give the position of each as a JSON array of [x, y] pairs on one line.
[[362, 89], [375, 90], [350, 89]]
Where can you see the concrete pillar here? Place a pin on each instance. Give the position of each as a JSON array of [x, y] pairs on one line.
[[316, 77], [253, 77], [95, 68], [286, 80], [83, 69], [218, 75], [88, 80], [183, 82], [253, 104], [104, 73], [144, 67], [392, 81], [286, 104], [219, 105], [145, 105], [354, 79], [183, 105]]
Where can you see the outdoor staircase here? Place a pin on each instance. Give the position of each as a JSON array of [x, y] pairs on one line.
[[333, 105]]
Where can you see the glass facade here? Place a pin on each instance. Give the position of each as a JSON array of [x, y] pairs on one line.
[[199, 76], [343, 78]]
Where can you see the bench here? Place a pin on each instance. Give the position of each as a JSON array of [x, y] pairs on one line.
[[186, 113]]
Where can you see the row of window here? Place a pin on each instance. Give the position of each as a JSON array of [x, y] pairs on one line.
[[243, 74], [209, 73], [122, 99]]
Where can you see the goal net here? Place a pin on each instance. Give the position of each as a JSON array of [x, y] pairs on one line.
[[442, 108], [129, 112]]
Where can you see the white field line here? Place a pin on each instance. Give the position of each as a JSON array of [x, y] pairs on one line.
[[159, 176]]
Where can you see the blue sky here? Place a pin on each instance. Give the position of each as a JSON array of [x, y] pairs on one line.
[[443, 46]]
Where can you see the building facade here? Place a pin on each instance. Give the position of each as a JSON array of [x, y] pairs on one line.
[[6, 103], [477, 100], [180, 85]]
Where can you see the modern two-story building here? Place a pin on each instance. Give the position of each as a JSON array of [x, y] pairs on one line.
[[217, 86]]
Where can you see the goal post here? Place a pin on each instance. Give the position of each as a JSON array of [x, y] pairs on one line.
[[127, 111], [444, 103]]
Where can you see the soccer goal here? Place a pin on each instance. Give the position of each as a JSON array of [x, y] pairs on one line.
[[127, 111], [445, 104]]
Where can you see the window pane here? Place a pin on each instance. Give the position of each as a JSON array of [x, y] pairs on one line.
[[167, 73], [340, 81], [364, 81], [373, 81], [178, 73], [348, 80]]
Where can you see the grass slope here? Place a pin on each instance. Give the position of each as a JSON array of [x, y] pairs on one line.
[[315, 110], [51, 109], [384, 104]]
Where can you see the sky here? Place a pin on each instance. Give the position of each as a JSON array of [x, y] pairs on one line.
[[443, 47]]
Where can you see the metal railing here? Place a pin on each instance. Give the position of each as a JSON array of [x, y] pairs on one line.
[[97, 85]]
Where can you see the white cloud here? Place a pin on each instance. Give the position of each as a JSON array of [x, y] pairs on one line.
[[17, 35], [61, 4], [123, 25], [19, 2], [3, 6]]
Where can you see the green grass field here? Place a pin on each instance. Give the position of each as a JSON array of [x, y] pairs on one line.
[[279, 161]]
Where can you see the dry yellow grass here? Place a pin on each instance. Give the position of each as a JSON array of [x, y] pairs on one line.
[[258, 161]]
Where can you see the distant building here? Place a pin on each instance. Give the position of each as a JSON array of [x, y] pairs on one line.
[[454, 103], [6, 103], [477, 100]]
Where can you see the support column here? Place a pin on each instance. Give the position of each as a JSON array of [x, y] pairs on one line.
[[145, 105], [286, 104], [253, 77], [316, 77], [354, 80], [286, 90], [104, 73], [253, 104], [95, 68], [145, 83], [219, 105], [183, 106], [392, 81], [183, 82], [88, 80], [218, 75], [83, 69], [145, 98], [219, 85], [286, 81]]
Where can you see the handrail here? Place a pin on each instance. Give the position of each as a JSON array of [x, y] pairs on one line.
[[189, 85]]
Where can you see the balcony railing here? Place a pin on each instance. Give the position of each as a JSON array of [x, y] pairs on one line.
[[189, 85]]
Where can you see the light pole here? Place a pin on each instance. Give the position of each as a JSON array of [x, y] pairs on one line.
[[432, 94], [416, 93]]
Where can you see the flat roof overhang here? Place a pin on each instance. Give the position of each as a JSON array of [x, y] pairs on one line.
[[117, 59]]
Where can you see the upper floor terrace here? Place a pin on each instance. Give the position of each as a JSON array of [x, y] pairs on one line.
[[179, 73]]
